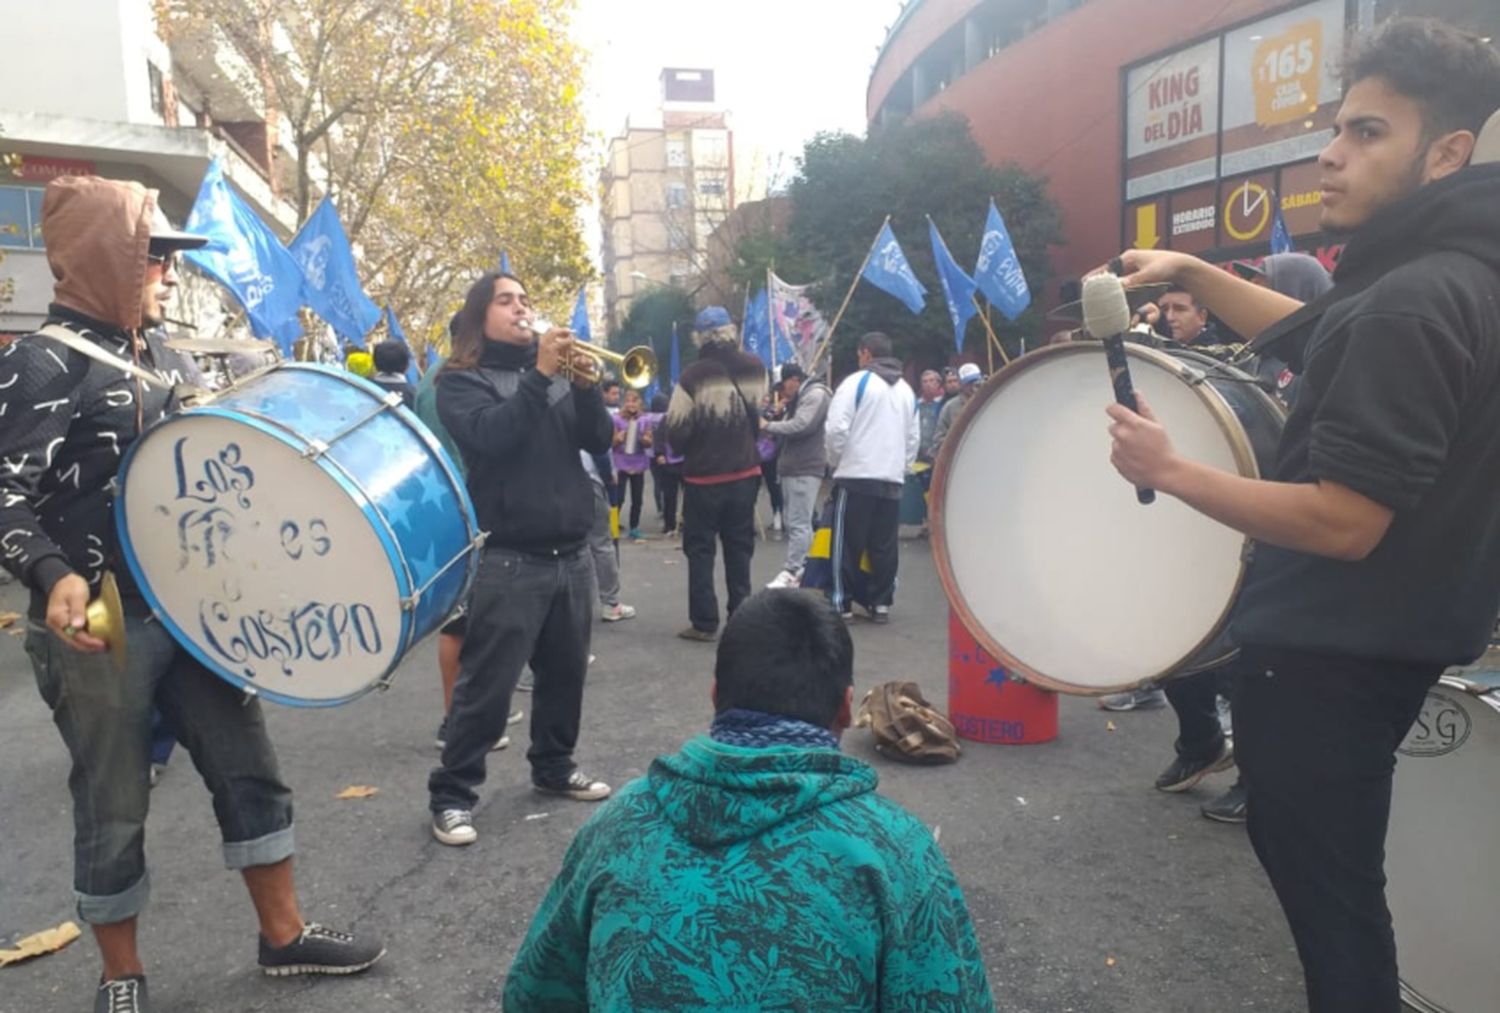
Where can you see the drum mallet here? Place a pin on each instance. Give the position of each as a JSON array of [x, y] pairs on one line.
[[1106, 316]]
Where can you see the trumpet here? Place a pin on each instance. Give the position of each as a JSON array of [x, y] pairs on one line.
[[637, 365]]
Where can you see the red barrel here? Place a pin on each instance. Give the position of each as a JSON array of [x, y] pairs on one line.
[[985, 704]]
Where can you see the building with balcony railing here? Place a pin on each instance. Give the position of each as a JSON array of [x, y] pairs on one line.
[[1163, 123], [91, 87]]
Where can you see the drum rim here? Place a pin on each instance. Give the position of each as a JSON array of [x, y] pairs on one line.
[[406, 640], [1219, 409]]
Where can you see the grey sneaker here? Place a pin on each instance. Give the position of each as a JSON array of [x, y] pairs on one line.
[[1229, 807], [122, 995], [1181, 774], [702, 636], [579, 787], [319, 950], [454, 827], [1143, 699]]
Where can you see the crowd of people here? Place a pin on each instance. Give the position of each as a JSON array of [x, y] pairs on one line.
[[760, 845]]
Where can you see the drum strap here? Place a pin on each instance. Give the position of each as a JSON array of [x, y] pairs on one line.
[[83, 346]]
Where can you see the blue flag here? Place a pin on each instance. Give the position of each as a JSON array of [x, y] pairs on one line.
[[579, 325], [332, 289], [755, 330], [997, 272], [244, 256], [888, 270], [676, 356], [505, 262], [958, 287], [394, 329], [1281, 239]]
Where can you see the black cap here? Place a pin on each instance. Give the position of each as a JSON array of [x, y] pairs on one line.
[[792, 371]]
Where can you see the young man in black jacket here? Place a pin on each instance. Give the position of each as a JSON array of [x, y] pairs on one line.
[[519, 424], [1378, 563]]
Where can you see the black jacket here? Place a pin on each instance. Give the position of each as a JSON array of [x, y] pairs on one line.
[[520, 434], [1400, 401], [65, 422]]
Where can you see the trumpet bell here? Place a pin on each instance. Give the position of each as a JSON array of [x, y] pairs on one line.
[[106, 619], [638, 367]]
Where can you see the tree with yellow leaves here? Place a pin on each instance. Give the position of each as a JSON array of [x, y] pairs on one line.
[[444, 131]]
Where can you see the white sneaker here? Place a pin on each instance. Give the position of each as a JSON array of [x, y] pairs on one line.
[[614, 613], [786, 578], [454, 827], [776, 521]]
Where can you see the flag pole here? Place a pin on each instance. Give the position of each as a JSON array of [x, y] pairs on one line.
[[771, 313], [984, 318], [828, 341]]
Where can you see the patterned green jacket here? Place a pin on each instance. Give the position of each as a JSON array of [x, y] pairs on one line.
[[737, 879]]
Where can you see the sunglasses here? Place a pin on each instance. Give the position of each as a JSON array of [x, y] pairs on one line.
[[165, 261]]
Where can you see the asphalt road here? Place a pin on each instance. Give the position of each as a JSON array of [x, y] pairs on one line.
[[1090, 891]]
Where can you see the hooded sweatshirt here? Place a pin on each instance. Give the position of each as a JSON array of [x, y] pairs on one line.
[[736, 878], [872, 429], [1400, 401], [801, 433], [66, 420]]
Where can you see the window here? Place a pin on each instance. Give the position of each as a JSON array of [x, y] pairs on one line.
[[676, 195], [676, 153], [711, 187], [158, 90], [21, 216]]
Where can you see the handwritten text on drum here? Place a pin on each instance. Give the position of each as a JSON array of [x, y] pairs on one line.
[[316, 631], [222, 474]]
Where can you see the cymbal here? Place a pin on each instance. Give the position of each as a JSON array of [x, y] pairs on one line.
[[220, 346], [1135, 296]]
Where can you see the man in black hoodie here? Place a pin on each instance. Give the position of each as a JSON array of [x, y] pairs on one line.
[[519, 424], [1378, 563]]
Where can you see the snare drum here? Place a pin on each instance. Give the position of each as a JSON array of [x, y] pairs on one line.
[[298, 534], [1442, 888], [1044, 552]]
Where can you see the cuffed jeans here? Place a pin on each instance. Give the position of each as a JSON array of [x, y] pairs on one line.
[[724, 511], [1316, 740], [602, 550], [800, 493], [522, 608], [104, 716]]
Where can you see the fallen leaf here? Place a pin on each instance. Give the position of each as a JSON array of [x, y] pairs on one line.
[[41, 944], [8, 619], [1020, 800], [1109, 726], [357, 791], [1109, 961]]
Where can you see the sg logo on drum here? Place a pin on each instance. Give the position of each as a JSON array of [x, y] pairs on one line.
[[1441, 727]]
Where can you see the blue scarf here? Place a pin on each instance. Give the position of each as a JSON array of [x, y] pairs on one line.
[[759, 730]]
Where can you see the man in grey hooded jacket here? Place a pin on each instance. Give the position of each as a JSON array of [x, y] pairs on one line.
[[803, 463]]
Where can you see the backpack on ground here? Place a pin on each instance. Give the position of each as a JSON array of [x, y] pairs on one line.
[[905, 725]]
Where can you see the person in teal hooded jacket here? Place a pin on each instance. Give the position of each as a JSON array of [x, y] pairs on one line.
[[757, 869]]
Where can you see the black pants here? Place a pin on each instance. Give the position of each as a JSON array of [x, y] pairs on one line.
[[656, 487], [1194, 698], [1316, 739], [713, 513], [669, 482], [636, 483], [773, 483], [864, 523], [522, 608]]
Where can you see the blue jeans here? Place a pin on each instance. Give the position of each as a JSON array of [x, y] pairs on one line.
[[104, 716]]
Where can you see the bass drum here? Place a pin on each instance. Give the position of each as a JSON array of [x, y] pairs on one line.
[[298, 534], [1442, 888], [1044, 552]]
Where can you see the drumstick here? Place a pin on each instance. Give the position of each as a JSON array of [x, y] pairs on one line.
[[1106, 316]]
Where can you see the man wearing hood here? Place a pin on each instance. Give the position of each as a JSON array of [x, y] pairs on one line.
[[68, 420], [871, 437], [804, 463], [1377, 562], [757, 868], [712, 420]]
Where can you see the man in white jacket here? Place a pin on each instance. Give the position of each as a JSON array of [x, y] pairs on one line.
[[871, 435]]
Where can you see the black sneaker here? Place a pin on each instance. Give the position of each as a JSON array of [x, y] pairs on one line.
[[579, 787], [122, 995], [319, 950], [454, 827], [1227, 808], [1183, 774], [702, 636], [880, 614]]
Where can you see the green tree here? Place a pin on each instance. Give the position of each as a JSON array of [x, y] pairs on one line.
[[932, 166], [444, 130], [650, 322]]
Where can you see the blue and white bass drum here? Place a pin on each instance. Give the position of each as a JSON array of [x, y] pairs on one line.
[[298, 533]]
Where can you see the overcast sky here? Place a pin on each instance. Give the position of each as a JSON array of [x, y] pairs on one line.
[[785, 69]]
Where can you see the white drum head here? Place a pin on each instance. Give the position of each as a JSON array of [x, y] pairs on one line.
[[1443, 890], [261, 562], [1045, 552]]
